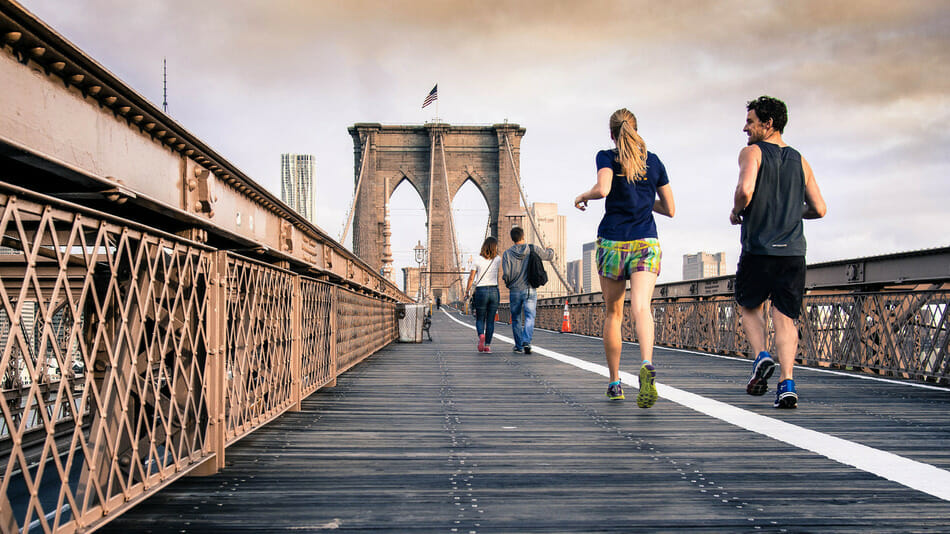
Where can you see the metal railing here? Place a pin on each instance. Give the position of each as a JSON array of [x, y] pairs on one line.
[[900, 333], [130, 357]]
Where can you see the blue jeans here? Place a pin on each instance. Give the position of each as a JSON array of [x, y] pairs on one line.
[[523, 301], [486, 304]]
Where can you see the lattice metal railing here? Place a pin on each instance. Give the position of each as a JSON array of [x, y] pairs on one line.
[[363, 326], [258, 370], [897, 333], [318, 368], [130, 357], [102, 366]]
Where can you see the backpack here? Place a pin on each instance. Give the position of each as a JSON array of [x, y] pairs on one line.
[[537, 276]]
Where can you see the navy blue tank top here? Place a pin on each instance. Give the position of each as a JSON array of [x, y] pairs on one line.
[[772, 222]]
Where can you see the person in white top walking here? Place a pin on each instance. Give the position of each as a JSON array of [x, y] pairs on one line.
[[484, 277]]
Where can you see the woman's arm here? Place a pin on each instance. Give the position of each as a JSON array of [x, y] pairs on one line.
[[664, 205], [471, 278], [605, 178]]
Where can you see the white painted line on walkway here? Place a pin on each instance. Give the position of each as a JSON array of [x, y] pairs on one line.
[[913, 474]]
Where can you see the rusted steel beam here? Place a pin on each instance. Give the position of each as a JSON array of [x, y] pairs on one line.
[[151, 165]]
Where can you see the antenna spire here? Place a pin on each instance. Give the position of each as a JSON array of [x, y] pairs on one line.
[[164, 85]]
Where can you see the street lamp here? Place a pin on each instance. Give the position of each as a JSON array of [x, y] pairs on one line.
[[420, 258]]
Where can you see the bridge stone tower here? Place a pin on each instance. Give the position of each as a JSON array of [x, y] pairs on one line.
[[437, 159]]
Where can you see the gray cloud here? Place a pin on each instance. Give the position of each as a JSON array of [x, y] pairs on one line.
[[866, 82]]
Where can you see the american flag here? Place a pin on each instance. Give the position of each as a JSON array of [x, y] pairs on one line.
[[433, 96]]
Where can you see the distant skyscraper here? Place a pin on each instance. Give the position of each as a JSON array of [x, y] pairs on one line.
[[297, 183], [574, 275], [553, 227], [589, 277], [703, 265]]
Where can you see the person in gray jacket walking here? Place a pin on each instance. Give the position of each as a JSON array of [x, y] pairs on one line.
[[521, 296]]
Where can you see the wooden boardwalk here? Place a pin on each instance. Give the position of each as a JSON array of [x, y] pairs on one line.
[[436, 437]]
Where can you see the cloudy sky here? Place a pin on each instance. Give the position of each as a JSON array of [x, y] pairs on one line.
[[867, 84]]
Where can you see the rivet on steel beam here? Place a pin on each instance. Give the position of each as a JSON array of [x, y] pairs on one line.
[[12, 37]]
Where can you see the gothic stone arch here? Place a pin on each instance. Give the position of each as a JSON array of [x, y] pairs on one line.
[[417, 153]]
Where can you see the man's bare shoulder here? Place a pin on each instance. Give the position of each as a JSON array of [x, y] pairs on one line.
[[750, 154], [750, 151]]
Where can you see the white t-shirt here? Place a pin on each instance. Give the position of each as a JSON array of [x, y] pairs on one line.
[[489, 267]]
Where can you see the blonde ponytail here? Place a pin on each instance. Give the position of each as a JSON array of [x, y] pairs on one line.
[[631, 150]]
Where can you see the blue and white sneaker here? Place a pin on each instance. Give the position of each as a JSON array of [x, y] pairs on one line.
[[762, 369], [785, 395]]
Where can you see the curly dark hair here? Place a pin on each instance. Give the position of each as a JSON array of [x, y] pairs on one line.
[[766, 108]]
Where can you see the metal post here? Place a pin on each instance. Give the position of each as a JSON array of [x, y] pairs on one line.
[[216, 366], [296, 346], [334, 303]]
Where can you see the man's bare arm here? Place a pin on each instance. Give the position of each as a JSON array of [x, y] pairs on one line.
[[815, 207], [749, 161]]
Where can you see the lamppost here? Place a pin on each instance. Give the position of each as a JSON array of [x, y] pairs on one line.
[[420, 259]]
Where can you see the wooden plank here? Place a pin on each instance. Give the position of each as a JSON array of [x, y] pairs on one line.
[[437, 437]]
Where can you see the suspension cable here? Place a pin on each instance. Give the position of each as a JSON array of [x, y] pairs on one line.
[[534, 226], [356, 195], [448, 196]]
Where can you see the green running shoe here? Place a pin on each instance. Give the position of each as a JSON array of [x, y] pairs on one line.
[[648, 395], [614, 391]]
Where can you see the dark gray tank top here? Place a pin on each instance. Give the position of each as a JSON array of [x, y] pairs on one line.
[[772, 222]]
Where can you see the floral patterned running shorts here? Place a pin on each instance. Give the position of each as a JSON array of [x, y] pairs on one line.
[[618, 260]]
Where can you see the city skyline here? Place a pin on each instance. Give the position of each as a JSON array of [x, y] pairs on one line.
[[866, 82]]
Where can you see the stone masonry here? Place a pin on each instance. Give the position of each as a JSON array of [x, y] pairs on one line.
[[437, 159]]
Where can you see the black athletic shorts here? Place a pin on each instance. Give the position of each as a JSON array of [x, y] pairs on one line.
[[779, 278]]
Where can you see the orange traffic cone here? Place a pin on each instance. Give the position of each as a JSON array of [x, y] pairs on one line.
[[566, 321]]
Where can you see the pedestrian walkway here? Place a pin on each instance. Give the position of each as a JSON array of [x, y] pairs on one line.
[[436, 437]]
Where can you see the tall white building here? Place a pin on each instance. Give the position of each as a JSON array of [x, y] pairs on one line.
[[553, 228], [298, 183], [703, 265], [589, 277]]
